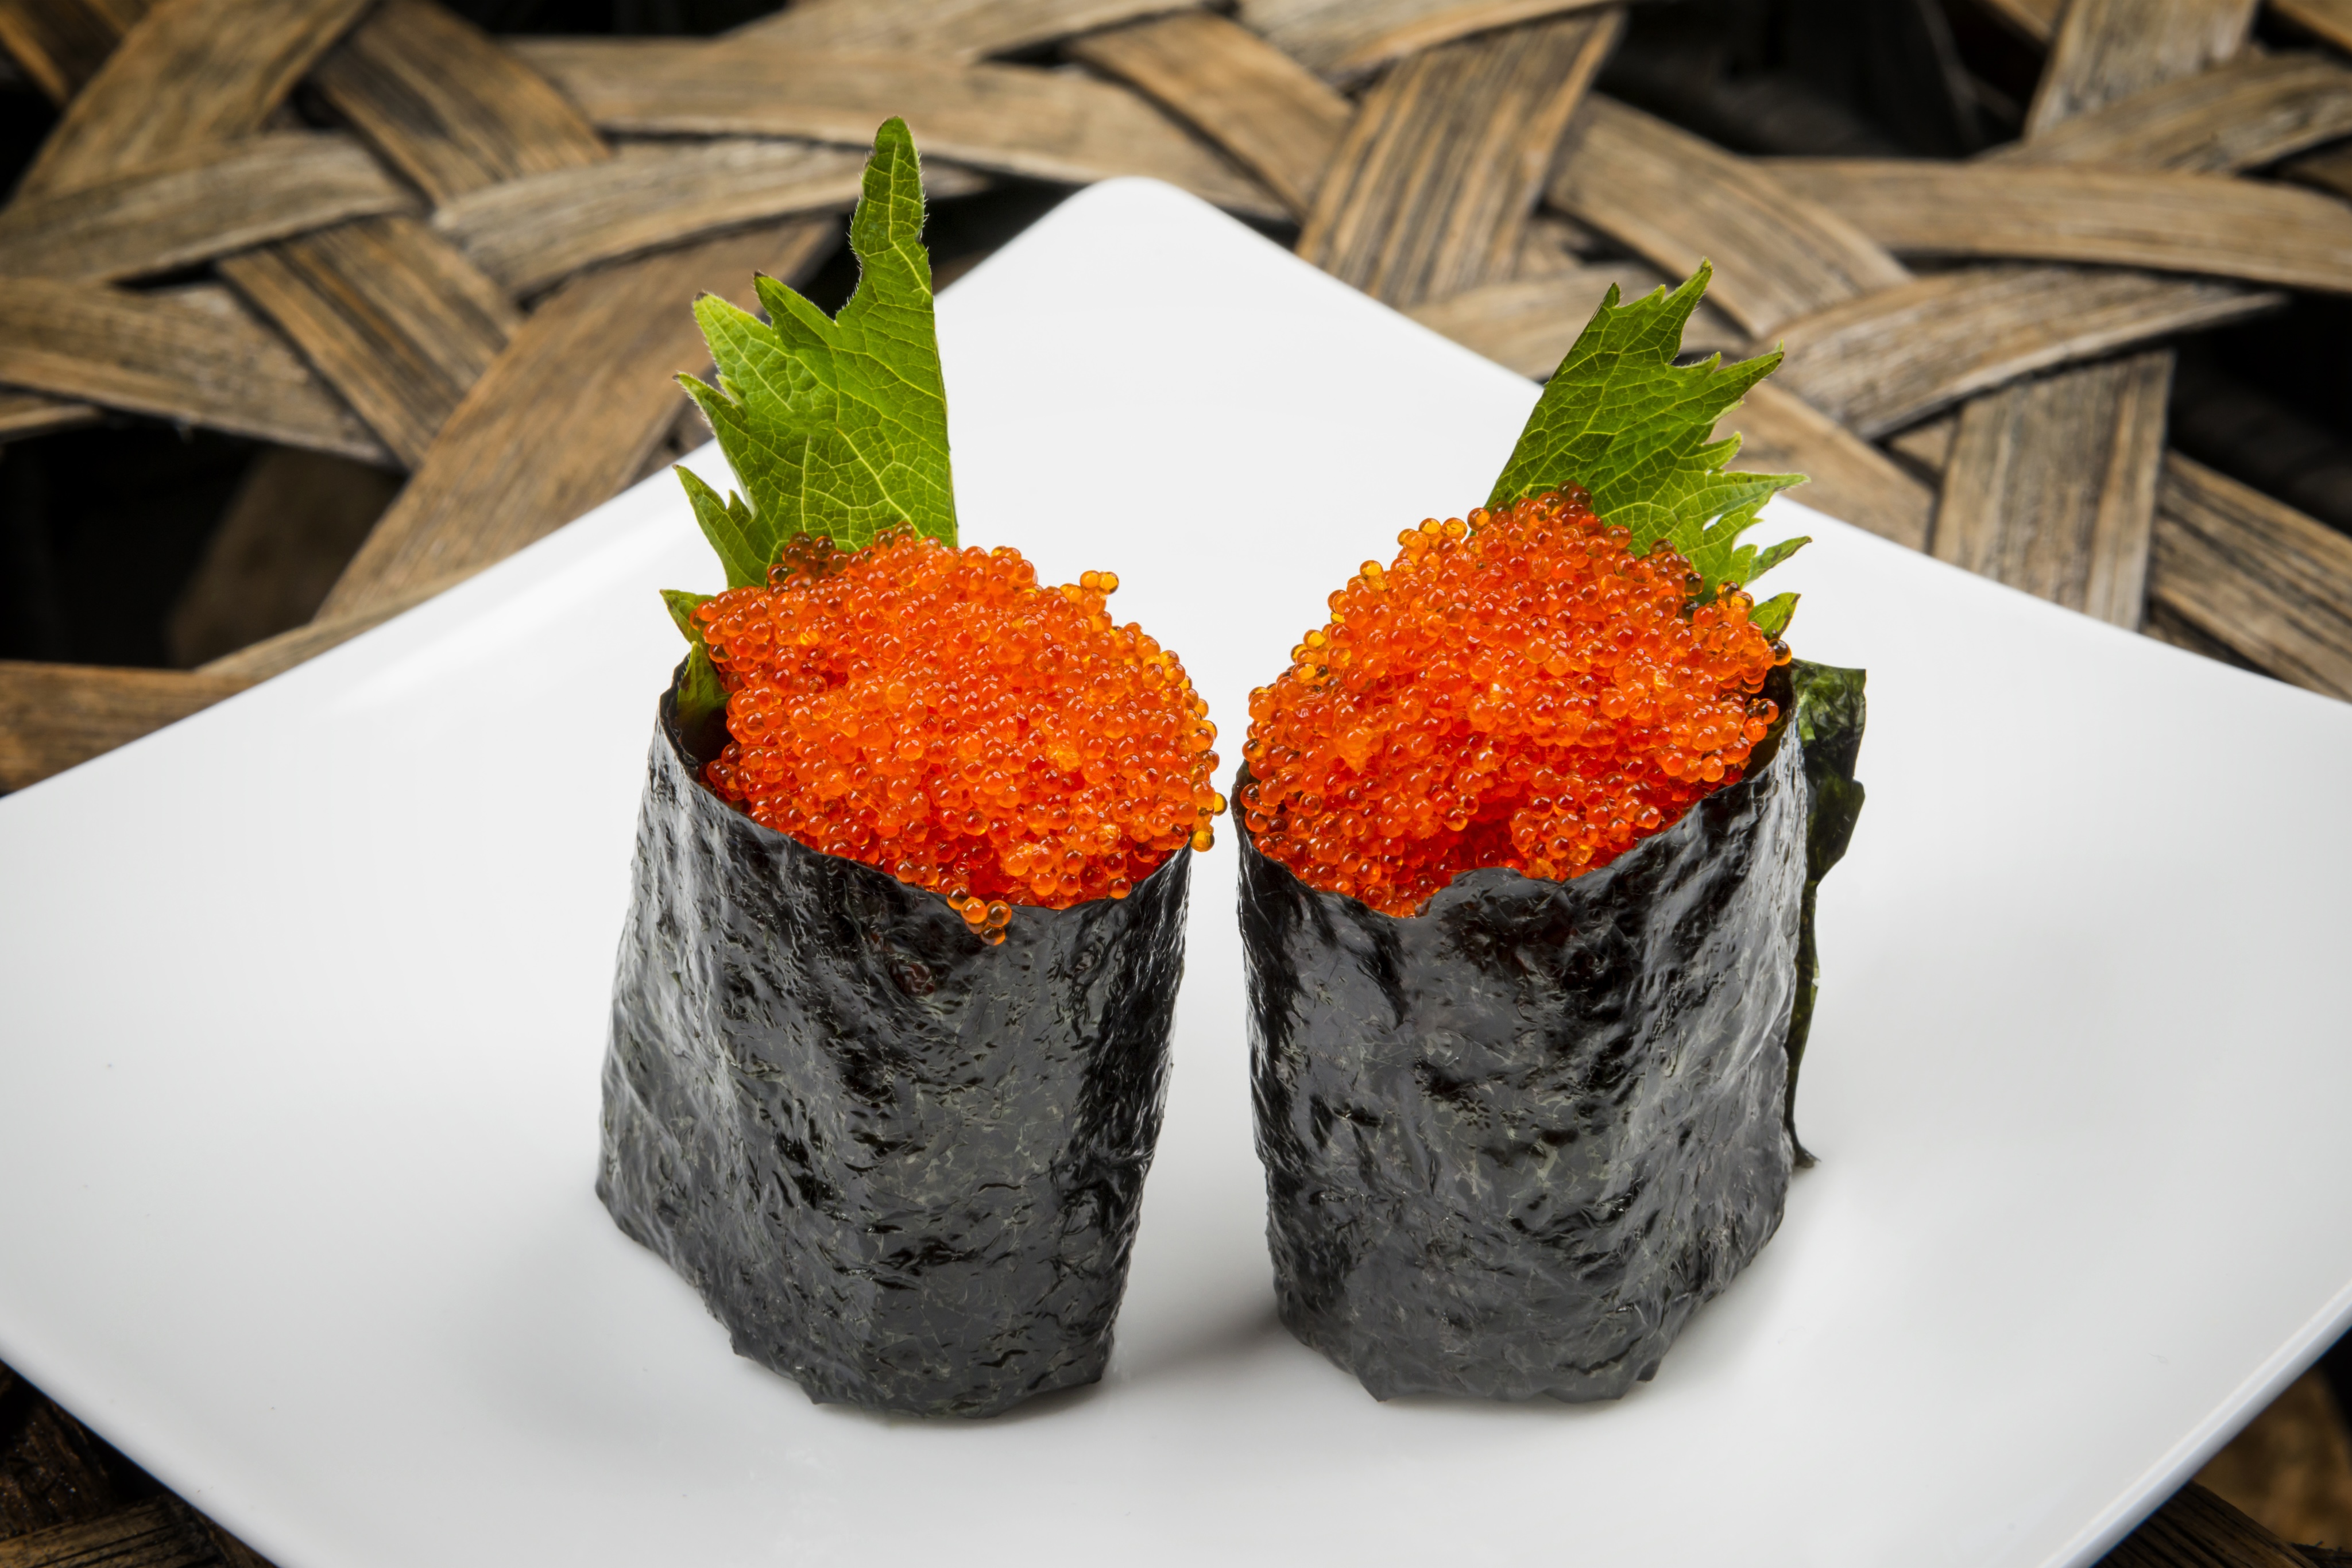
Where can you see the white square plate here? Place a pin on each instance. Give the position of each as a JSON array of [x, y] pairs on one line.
[[305, 1003]]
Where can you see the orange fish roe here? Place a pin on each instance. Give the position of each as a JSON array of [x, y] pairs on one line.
[[1514, 690], [934, 713]]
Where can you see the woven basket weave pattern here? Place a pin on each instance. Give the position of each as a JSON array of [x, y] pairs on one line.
[[369, 229]]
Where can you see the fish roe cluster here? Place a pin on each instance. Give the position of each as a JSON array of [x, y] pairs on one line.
[[934, 713], [1516, 689]]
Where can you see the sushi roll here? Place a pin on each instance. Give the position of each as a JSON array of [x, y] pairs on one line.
[[891, 1020], [1530, 835]]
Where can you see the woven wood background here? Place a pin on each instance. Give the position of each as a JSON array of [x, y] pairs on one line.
[[461, 242], [399, 251]]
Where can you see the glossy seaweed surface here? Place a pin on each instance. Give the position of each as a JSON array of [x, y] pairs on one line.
[[901, 1166], [1514, 1141]]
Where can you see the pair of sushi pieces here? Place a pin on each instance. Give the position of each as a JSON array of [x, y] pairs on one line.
[[1519, 690], [1529, 833], [1538, 685]]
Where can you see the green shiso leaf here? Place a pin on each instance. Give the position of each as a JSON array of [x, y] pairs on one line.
[[1827, 712], [835, 426], [700, 695], [1771, 617], [682, 606], [1625, 422], [734, 531]]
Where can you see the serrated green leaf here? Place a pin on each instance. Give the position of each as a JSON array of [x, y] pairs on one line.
[[700, 696], [682, 606], [1828, 713], [1771, 617], [1774, 555], [1635, 429], [834, 426], [740, 538]]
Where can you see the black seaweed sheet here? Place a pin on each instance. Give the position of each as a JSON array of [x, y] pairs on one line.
[[902, 1166], [1514, 1141]]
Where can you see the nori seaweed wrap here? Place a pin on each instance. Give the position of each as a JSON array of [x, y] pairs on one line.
[[1514, 1141], [1531, 829], [902, 1165], [890, 1022]]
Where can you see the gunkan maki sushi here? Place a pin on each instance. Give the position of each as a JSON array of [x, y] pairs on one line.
[[890, 1023], [1531, 832]]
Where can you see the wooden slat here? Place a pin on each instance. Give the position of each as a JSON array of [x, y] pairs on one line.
[[1883, 360], [448, 107], [390, 313], [29, 414], [2328, 20], [291, 526], [1018, 120], [1277, 119], [2051, 485], [563, 418], [2034, 19], [2166, 627], [1344, 41], [193, 354], [2329, 169], [2254, 575], [55, 716], [2198, 1529], [1927, 445], [203, 202], [1431, 188], [961, 30], [61, 44], [1674, 199], [2289, 1469], [1557, 243], [299, 644], [52, 1470], [2168, 222], [161, 1533], [1529, 323], [688, 431], [2106, 50], [234, 1554], [1849, 478], [158, 1534], [191, 72], [533, 231], [2250, 112]]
